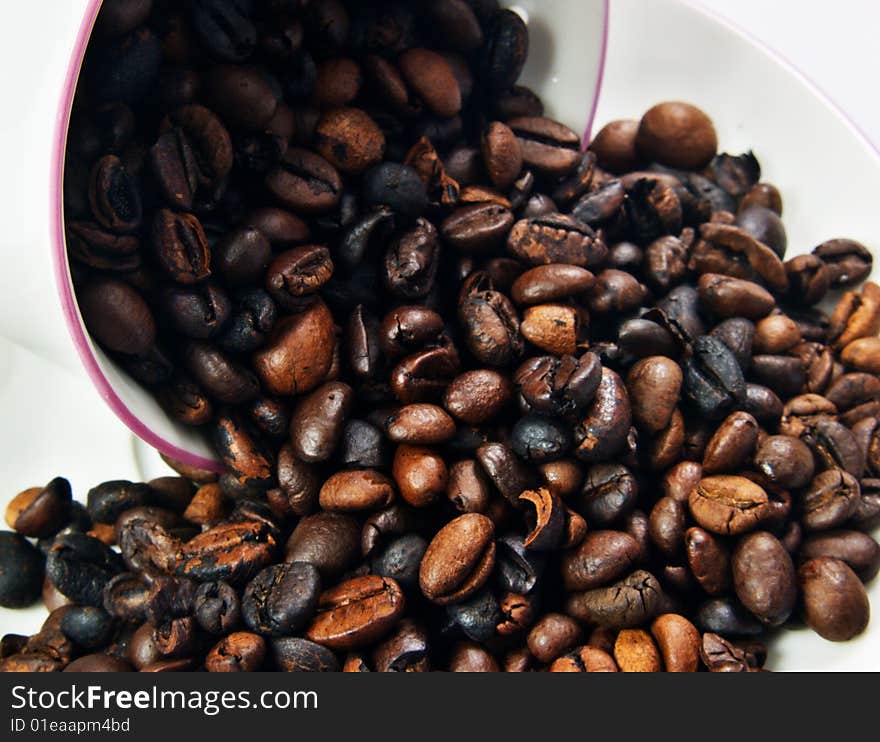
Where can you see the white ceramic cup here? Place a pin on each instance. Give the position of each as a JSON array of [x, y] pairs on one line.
[[37, 306]]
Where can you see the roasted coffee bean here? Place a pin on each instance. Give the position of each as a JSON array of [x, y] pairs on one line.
[[352, 491], [79, 566], [713, 380], [21, 571], [356, 612], [217, 607], [281, 599], [601, 558], [504, 52], [470, 657], [305, 182], [114, 196], [349, 139], [615, 146], [40, 512], [238, 652], [830, 500], [728, 617], [585, 659], [720, 655], [291, 654], [317, 422], [476, 397], [405, 650], [764, 577], [677, 135], [732, 444], [233, 552], [610, 492], [835, 604], [539, 439], [299, 352], [329, 541], [559, 386], [556, 238], [181, 247], [654, 385], [118, 316], [477, 617], [459, 559], [708, 560], [477, 228], [629, 602], [848, 261], [400, 560], [732, 505], [411, 262], [785, 461], [602, 432], [420, 424], [492, 328], [858, 550], [420, 474], [765, 226]]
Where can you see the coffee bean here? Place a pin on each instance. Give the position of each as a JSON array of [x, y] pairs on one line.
[[238, 652], [356, 612], [556, 238], [678, 642], [835, 604], [849, 262], [420, 474], [858, 550], [731, 505], [41, 511], [830, 499], [21, 571], [504, 52], [677, 135], [299, 352], [629, 602], [459, 559], [764, 577], [601, 558], [118, 316], [732, 444], [329, 541], [291, 654], [477, 228], [281, 599], [654, 385]]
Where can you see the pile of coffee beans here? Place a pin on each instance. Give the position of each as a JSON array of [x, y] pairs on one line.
[[485, 400]]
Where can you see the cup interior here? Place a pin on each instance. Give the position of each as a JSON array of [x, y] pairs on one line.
[[565, 65]]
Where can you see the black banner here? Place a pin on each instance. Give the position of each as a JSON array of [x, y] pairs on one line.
[[205, 708]]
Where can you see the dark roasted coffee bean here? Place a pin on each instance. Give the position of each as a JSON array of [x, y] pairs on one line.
[[602, 432], [225, 28], [504, 52], [305, 182], [181, 247], [412, 261], [281, 599], [217, 607], [21, 571], [291, 654], [610, 492], [79, 566], [539, 439], [400, 560], [708, 560], [118, 317], [713, 380]]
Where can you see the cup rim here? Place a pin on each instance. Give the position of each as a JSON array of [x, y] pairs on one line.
[[61, 266]]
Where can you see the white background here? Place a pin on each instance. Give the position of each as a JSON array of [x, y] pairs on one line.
[[834, 43]]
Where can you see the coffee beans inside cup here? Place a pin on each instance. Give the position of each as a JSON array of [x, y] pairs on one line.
[[486, 400]]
